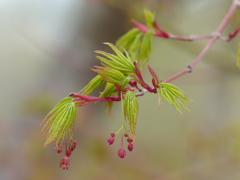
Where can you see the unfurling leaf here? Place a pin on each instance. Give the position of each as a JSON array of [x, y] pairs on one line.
[[138, 42], [58, 124], [112, 75], [173, 95], [149, 18], [130, 105], [238, 57], [109, 90], [96, 82], [131, 41], [118, 62], [146, 48]]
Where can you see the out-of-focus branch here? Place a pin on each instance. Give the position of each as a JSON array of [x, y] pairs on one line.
[[216, 35]]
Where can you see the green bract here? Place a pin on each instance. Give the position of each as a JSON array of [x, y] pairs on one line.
[[58, 124], [96, 82], [112, 75], [130, 105], [119, 61], [238, 56], [173, 95]]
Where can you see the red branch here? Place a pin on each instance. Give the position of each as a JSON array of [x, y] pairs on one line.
[[215, 36], [160, 32]]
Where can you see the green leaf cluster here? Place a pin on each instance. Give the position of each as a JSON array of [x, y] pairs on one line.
[[58, 123], [112, 75], [173, 95], [118, 62], [130, 106], [138, 43], [131, 41]]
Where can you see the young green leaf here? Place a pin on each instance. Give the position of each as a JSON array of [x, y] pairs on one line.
[[126, 41], [119, 61], [109, 90], [146, 48], [58, 123], [238, 56], [96, 82], [149, 18], [131, 41], [112, 75], [173, 95], [130, 105]]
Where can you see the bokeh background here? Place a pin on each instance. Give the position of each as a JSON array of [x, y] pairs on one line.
[[46, 52]]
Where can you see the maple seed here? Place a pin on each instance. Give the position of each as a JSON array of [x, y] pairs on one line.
[[110, 140], [121, 153], [130, 147]]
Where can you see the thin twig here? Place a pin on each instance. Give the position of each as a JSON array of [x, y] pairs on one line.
[[215, 36]]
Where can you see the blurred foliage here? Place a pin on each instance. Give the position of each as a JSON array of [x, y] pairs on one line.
[[201, 144]]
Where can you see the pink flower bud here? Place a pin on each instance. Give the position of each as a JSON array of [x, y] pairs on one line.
[[110, 140], [59, 149], [74, 144], [130, 147], [68, 152], [133, 83], [129, 140], [65, 163], [113, 135], [121, 153]]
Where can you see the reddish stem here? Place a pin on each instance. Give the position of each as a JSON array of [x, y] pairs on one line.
[[140, 26], [234, 33], [216, 35]]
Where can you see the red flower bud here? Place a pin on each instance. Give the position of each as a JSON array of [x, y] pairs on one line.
[[130, 147], [65, 163], [59, 149], [110, 140], [68, 152], [133, 83], [74, 144], [129, 140], [121, 153], [113, 134], [125, 135]]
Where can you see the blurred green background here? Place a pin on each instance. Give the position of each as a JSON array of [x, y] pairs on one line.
[[47, 52]]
